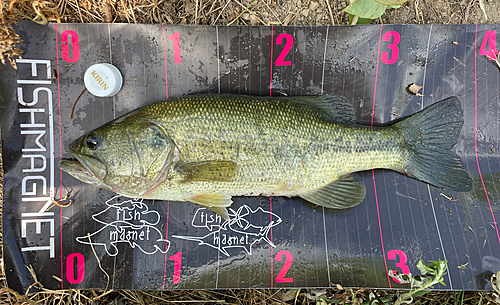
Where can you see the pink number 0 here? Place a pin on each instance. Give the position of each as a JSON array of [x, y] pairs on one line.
[[70, 268], [402, 261], [286, 266], [288, 46], [75, 46], [393, 47]]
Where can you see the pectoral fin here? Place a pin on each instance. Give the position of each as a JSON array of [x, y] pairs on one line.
[[213, 170], [214, 202], [342, 194]]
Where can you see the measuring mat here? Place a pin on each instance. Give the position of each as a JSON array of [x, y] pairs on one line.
[[96, 239]]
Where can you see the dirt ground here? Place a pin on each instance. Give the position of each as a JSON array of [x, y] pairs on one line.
[[231, 12]]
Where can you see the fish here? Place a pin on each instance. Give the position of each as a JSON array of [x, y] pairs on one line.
[[209, 148]]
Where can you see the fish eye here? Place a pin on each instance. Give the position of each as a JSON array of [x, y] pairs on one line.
[[92, 142]]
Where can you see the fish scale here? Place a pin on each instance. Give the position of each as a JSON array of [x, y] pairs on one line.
[[273, 140], [208, 148]]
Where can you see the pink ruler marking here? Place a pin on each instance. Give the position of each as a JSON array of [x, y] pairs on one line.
[[475, 136], [272, 254], [373, 172], [166, 248], [168, 202], [271, 75], [270, 198], [165, 52], [60, 156]]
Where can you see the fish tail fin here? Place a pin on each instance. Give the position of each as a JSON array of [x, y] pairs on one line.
[[429, 136]]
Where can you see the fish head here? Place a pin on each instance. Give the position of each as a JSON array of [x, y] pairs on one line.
[[131, 157]]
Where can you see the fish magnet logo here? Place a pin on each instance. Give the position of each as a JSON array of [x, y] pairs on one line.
[[244, 229], [127, 222]]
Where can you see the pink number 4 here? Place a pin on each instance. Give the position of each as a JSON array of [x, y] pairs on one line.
[[402, 262], [490, 39]]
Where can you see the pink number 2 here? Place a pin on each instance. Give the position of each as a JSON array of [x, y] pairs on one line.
[[288, 46], [402, 261], [393, 47], [286, 266], [175, 38]]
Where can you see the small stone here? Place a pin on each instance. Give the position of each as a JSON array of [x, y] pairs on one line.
[[313, 5], [253, 19], [305, 12]]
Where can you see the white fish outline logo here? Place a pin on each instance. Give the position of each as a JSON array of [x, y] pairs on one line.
[[124, 229], [238, 232]]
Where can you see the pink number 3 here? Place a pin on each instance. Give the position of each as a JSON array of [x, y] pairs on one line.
[[393, 47], [402, 261]]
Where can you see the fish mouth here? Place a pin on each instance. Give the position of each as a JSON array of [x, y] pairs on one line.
[[84, 167], [76, 169]]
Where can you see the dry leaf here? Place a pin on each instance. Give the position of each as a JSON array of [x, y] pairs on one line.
[[414, 89]]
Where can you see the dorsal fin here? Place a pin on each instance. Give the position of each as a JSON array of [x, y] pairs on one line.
[[334, 108]]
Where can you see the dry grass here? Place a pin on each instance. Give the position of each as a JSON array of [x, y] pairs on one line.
[[222, 12]]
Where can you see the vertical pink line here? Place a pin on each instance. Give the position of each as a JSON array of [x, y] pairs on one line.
[[166, 247], [60, 156], [373, 172], [475, 135], [376, 74], [270, 198], [271, 76], [165, 51], [272, 254], [168, 202]]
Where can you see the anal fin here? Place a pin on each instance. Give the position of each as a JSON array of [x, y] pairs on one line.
[[341, 194], [221, 211], [215, 202]]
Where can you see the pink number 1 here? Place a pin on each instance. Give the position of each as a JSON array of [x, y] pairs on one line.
[[177, 47], [177, 257], [402, 261], [393, 47]]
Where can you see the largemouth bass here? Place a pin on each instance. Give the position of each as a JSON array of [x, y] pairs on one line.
[[207, 148]]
